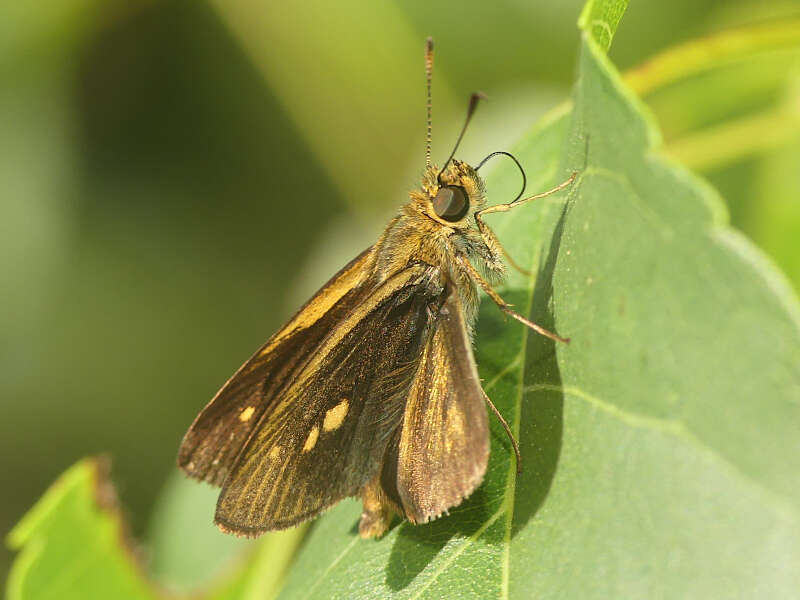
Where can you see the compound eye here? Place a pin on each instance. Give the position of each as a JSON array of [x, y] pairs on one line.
[[451, 203]]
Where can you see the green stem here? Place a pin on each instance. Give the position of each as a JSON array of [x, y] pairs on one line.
[[684, 60]]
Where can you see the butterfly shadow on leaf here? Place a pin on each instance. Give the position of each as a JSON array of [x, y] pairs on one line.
[[542, 405], [417, 545]]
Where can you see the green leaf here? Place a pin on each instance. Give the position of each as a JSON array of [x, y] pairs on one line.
[[775, 221], [189, 553], [681, 388], [73, 543], [717, 50], [261, 577], [726, 96], [660, 448], [728, 104], [600, 18], [185, 548]]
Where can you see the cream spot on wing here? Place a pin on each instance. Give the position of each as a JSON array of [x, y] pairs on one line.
[[335, 416], [246, 414], [275, 452], [311, 440]]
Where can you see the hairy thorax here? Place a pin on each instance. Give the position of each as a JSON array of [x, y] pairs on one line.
[[417, 234]]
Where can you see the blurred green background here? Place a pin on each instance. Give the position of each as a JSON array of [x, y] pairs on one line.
[[176, 177]]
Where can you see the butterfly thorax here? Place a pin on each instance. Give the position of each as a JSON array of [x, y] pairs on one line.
[[428, 232]]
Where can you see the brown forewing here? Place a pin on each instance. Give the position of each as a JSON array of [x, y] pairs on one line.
[[221, 430], [326, 433]]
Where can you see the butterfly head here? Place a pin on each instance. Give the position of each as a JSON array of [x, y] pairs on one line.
[[452, 196]]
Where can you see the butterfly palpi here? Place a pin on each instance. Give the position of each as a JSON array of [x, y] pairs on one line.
[[371, 389]]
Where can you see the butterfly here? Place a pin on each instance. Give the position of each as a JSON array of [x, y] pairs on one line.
[[371, 388]]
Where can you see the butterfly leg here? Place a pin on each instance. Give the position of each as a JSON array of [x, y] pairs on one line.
[[494, 244], [508, 206], [507, 428], [491, 239], [502, 304]]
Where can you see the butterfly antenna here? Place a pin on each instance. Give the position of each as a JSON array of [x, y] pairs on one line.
[[473, 104], [428, 80], [519, 166]]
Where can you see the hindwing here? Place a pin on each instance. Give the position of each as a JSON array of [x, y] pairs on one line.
[[443, 445]]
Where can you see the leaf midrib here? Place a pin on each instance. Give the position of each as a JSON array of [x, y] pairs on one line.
[[511, 479]]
